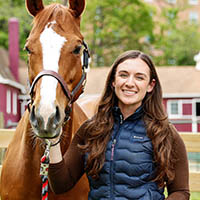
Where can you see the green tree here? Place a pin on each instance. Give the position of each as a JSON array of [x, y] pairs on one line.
[[176, 42], [113, 26], [15, 8]]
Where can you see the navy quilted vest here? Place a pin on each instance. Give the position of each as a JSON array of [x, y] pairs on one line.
[[128, 168]]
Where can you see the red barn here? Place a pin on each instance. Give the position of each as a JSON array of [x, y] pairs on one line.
[[181, 93], [181, 88], [10, 86]]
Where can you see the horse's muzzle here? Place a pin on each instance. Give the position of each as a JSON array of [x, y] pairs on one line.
[[48, 127]]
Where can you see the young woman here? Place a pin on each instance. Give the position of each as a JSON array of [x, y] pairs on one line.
[[129, 150]]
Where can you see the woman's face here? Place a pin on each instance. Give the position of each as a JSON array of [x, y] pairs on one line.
[[132, 82]]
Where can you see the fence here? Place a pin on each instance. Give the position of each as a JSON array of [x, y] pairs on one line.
[[191, 140]]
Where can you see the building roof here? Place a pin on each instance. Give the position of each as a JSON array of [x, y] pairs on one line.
[[6, 76], [175, 81], [4, 65]]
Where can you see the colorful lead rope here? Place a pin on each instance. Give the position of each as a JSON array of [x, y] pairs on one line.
[[44, 170]]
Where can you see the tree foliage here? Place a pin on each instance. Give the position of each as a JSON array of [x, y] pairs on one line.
[[176, 41], [114, 26], [17, 9]]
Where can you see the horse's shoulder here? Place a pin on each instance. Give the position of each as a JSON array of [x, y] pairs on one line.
[[89, 104]]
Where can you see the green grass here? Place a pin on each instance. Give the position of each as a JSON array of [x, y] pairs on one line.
[[195, 196]]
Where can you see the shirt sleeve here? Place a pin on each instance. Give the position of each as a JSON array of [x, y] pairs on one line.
[[178, 189], [65, 174]]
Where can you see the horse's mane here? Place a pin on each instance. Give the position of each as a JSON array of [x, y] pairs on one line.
[[52, 12]]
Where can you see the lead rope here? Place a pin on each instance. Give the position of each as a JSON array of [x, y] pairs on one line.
[[44, 166]]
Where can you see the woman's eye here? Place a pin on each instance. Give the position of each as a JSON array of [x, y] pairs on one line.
[[140, 78], [123, 75], [77, 50]]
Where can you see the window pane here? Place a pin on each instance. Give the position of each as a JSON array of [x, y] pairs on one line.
[[8, 102], [14, 103], [193, 16], [193, 2], [174, 108], [171, 1]]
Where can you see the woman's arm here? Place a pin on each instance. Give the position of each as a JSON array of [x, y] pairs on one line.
[[179, 188], [65, 172]]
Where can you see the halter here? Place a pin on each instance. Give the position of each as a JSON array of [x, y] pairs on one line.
[[76, 92]]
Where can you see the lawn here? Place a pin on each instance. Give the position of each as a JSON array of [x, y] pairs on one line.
[[195, 196]]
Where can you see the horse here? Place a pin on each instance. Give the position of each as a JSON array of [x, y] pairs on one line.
[[57, 74]]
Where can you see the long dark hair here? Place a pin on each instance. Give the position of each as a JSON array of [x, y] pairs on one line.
[[98, 129]]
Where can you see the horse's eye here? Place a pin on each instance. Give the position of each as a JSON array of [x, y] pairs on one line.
[[77, 50]]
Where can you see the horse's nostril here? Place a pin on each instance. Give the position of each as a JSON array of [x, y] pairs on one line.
[[33, 117], [57, 115]]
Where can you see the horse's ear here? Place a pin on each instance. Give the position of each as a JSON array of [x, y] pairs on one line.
[[77, 6], [34, 6]]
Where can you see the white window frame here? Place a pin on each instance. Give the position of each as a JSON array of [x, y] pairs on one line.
[[194, 108], [171, 1], [179, 114], [8, 101], [193, 16], [14, 103], [149, 1], [193, 2]]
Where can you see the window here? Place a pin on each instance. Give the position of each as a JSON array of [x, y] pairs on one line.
[[174, 108], [193, 16], [14, 103], [193, 2], [171, 1], [197, 108], [8, 102]]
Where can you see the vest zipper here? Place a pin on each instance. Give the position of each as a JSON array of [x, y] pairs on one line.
[[112, 156], [112, 149]]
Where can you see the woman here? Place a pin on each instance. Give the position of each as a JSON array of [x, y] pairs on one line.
[[129, 150]]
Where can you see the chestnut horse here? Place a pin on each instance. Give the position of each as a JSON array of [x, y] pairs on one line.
[[56, 75]]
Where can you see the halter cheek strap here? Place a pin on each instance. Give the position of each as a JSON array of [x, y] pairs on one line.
[[77, 91]]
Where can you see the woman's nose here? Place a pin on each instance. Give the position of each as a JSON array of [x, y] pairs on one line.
[[130, 81]]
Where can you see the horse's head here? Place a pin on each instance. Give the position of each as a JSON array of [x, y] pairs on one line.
[[56, 73]]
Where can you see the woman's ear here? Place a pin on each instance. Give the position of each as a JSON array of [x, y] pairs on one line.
[[151, 85], [113, 84]]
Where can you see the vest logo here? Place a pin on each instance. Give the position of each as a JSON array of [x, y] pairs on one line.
[[138, 137]]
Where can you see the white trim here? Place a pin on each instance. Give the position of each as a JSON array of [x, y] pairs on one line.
[[8, 101], [194, 116], [13, 84], [187, 101], [193, 16], [14, 102], [171, 1], [179, 114], [183, 95]]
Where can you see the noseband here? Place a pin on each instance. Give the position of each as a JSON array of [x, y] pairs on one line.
[[75, 93]]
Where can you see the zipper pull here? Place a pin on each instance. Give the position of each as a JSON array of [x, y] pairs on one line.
[[121, 119], [113, 148]]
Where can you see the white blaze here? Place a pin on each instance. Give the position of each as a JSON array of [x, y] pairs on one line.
[[52, 44]]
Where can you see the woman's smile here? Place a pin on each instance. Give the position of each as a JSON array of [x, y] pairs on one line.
[[132, 82]]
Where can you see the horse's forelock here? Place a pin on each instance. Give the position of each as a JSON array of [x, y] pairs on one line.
[[52, 12]]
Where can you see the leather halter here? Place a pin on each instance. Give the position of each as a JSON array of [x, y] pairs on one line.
[[72, 96]]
